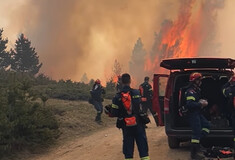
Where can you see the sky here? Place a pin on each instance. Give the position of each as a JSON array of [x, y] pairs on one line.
[[73, 37]]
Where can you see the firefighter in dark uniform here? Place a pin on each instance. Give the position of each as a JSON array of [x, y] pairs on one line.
[[199, 124], [229, 92], [119, 84], [146, 93], [130, 121], [96, 94]]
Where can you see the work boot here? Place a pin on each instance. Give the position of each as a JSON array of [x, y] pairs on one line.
[[98, 118], [194, 152]]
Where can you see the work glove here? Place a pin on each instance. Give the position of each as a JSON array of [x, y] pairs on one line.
[[203, 102], [107, 109]]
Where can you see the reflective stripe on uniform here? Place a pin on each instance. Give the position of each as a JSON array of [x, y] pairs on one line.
[[145, 158], [114, 106], [206, 130], [128, 158], [224, 92], [190, 98], [150, 89], [234, 139], [136, 96], [195, 141]]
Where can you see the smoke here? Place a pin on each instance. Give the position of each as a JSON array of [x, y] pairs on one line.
[[74, 37], [77, 36], [226, 26]]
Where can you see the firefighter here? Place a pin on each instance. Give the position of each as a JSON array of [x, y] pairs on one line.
[[96, 95], [126, 106], [146, 92], [119, 84], [199, 124], [229, 92]]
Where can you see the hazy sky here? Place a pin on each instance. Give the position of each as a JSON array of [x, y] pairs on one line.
[[77, 36]]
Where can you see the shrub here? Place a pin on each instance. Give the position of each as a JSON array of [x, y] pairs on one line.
[[23, 122]]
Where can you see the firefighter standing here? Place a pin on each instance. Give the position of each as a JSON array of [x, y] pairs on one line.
[[129, 120], [146, 92], [96, 94], [200, 126], [229, 92], [119, 84]]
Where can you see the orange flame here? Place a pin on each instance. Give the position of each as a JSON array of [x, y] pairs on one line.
[[180, 38]]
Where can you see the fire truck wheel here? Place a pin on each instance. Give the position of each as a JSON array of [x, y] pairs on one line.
[[173, 142]]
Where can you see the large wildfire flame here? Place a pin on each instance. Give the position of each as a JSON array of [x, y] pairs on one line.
[[184, 36]]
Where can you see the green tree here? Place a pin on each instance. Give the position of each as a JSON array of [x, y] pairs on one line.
[[24, 57], [84, 78], [91, 82], [4, 55]]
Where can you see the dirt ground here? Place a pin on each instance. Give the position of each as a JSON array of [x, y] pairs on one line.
[[107, 145], [83, 139]]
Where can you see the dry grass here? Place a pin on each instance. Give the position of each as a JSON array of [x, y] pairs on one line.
[[76, 118]]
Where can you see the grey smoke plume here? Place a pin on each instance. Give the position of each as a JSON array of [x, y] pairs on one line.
[[77, 36]]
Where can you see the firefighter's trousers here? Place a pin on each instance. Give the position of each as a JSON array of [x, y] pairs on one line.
[[132, 134], [98, 106], [233, 125], [200, 126], [148, 105]]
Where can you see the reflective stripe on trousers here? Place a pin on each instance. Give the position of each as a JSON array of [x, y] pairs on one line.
[[145, 158], [195, 141]]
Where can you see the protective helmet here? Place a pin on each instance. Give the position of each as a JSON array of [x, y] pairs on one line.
[[97, 81], [146, 78], [194, 76]]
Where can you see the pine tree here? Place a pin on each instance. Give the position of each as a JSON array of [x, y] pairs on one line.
[[84, 78], [4, 55], [137, 61], [25, 58], [117, 69]]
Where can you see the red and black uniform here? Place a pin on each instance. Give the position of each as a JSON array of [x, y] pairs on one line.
[[199, 124], [130, 133], [229, 93], [119, 85], [146, 93], [96, 94]]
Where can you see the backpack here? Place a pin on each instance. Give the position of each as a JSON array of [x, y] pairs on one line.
[[130, 119]]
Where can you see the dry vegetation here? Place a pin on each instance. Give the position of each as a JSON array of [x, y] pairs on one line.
[[76, 118]]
